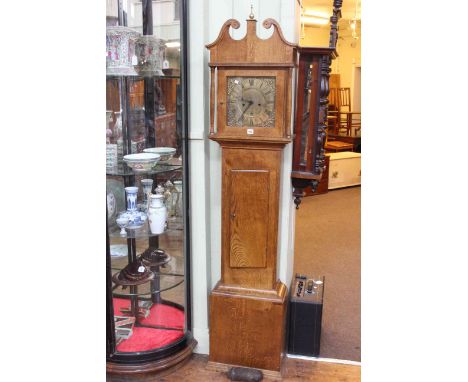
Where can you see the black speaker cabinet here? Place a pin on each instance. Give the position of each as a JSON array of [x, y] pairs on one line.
[[305, 316]]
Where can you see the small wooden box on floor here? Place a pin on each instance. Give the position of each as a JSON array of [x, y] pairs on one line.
[[248, 330]]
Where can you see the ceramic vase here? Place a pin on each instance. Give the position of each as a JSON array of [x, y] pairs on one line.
[[157, 214], [132, 193], [118, 133], [159, 190], [109, 132], [178, 204], [118, 124], [111, 156], [136, 218], [120, 44], [147, 185], [149, 51]]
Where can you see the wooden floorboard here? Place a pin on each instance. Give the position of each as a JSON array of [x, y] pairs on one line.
[[293, 370]]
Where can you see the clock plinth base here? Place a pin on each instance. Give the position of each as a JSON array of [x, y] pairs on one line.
[[247, 327]]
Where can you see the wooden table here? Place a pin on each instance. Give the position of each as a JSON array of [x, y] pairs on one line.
[[354, 139], [349, 119], [337, 146]]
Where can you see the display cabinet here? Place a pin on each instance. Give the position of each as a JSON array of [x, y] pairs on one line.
[[148, 267]]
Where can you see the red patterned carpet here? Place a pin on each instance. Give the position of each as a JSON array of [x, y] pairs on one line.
[[143, 339]]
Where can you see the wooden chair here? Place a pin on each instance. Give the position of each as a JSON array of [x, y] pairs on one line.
[[349, 118], [333, 111], [340, 106]]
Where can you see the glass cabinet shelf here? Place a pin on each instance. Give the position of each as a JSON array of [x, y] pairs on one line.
[[174, 267], [139, 233], [166, 282], [124, 170], [115, 76]]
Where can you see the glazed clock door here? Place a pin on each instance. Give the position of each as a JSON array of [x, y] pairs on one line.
[[252, 103]]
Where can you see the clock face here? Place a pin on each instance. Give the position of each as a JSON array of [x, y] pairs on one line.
[[251, 101]]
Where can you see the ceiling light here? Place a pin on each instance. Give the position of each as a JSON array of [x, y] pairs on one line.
[[314, 20], [173, 44], [320, 15]]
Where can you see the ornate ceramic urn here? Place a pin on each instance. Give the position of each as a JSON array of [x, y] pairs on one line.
[[120, 44], [149, 51]]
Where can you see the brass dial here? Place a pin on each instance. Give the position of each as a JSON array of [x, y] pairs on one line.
[[251, 101]]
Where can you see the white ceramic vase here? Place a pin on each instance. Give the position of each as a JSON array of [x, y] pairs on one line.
[[178, 198], [157, 214]]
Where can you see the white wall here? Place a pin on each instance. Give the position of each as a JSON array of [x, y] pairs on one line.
[[199, 173], [205, 20], [349, 51]]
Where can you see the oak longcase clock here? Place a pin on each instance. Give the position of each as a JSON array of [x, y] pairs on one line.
[[250, 119]]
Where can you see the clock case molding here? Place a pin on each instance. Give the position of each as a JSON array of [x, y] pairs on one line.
[[248, 304]]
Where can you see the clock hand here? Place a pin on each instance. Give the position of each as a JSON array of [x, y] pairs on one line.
[[250, 104]]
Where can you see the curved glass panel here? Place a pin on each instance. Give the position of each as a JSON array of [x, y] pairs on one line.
[[145, 176]]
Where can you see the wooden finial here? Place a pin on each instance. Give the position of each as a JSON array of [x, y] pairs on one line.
[[334, 22], [251, 16]]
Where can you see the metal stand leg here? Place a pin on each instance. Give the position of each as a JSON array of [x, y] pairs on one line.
[[156, 286], [131, 245]]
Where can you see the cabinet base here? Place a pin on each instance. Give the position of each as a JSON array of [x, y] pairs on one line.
[[248, 329], [155, 368]]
